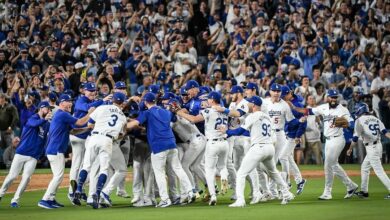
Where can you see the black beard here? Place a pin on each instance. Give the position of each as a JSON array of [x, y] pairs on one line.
[[333, 104]]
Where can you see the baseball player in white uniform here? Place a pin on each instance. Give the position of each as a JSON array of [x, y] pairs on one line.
[[239, 145], [108, 122], [217, 145], [369, 129], [261, 150], [280, 113], [335, 143]]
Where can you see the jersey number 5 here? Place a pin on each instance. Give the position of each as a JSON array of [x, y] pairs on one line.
[[220, 121], [114, 120]]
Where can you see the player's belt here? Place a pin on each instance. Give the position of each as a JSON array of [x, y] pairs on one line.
[[331, 137], [371, 143], [107, 135], [198, 135], [260, 144], [217, 139]]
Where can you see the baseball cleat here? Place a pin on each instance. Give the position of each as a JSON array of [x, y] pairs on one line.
[[286, 199], [135, 199], [106, 199], [300, 186], [164, 204], [233, 197], [178, 201], [70, 197], [350, 193], [14, 205], [57, 204], [224, 186], [84, 197], [237, 204], [95, 203], [46, 204], [362, 195], [76, 198], [191, 197], [140, 203], [325, 197], [213, 200], [388, 196], [123, 194], [255, 199]]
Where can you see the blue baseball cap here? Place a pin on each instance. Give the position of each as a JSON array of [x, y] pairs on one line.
[[120, 85], [149, 97], [44, 104], [90, 87], [296, 63], [191, 84], [34, 94], [251, 85], [285, 90], [361, 109], [236, 89], [119, 97], [255, 100], [214, 95], [154, 89], [275, 87], [183, 91], [53, 96], [167, 96], [204, 89], [65, 98], [333, 93]]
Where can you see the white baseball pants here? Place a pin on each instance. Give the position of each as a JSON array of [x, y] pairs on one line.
[[78, 150], [373, 160], [143, 177], [125, 148], [159, 162], [333, 148], [287, 161], [215, 158], [98, 146], [57, 165], [279, 144], [259, 153], [118, 164], [228, 172], [19, 162]]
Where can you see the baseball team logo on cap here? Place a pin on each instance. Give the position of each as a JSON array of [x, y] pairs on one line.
[[214, 95], [192, 84], [276, 87], [119, 97], [120, 85], [65, 98], [149, 97], [333, 93], [236, 89], [255, 100], [90, 87]]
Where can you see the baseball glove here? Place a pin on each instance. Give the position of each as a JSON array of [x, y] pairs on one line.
[[340, 122]]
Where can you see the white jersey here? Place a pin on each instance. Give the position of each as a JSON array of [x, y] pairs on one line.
[[109, 119], [213, 121], [368, 128], [235, 122], [259, 124], [329, 114], [185, 129], [280, 112]]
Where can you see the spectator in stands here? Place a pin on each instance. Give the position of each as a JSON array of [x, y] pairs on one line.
[[9, 152]]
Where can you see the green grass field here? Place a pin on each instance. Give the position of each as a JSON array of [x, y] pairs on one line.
[[305, 206]]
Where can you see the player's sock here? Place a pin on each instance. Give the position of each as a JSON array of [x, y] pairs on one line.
[[82, 177], [101, 181]]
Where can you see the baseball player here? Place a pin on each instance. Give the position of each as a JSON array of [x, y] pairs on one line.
[[239, 145], [194, 153], [294, 129], [217, 146], [83, 103], [108, 122], [280, 114], [57, 145], [335, 142], [261, 150], [28, 152], [163, 146], [369, 129]]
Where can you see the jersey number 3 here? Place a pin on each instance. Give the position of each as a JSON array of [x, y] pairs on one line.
[[114, 120]]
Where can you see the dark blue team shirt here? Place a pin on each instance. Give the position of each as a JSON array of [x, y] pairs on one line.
[[33, 137], [83, 104], [58, 137], [294, 128], [194, 106], [159, 132]]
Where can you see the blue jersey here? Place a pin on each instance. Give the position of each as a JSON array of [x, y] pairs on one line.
[[294, 128], [194, 106], [58, 137], [33, 137], [83, 104], [159, 132]]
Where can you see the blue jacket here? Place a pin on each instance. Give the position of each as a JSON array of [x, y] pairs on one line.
[[83, 104], [310, 61], [194, 106], [33, 137], [294, 128]]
